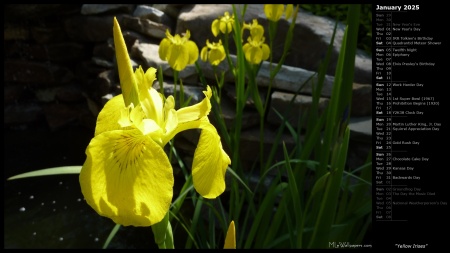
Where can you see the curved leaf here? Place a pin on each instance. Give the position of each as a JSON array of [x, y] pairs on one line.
[[49, 172]]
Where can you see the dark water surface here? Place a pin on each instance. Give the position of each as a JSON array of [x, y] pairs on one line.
[[49, 211]]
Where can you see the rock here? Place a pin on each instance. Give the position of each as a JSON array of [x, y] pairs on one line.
[[93, 9]]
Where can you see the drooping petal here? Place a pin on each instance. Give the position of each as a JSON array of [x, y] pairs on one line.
[[204, 54], [224, 28], [192, 50], [217, 54], [127, 177], [127, 81], [215, 27], [266, 51], [179, 57], [253, 54], [215, 57], [246, 48], [229, 27], [210, 160], [164, 49], [210, 164]]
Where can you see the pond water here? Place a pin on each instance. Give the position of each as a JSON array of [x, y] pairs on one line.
[[49, 211]]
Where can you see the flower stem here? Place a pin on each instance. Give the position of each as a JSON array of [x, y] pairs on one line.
[[162, 232]]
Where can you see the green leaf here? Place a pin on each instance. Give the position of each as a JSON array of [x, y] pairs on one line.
[[49, 172], [233, 173], [293, 189], [111, 235], [266, 206]]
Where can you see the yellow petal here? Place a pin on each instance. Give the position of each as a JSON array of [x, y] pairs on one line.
[[257, 32], [215, 27], [210, 160], [197, 111], [229, 27], [149, 126], [223, 27], [156, 103], [150, 99], [216, 56], [178, 57], [246, 48], [230, 239], [164, 49], [127, 82], [171, 119], [210, 164], [109, 116], [127, 177], [253, 55], [190, 117], [204, 54], [192, 50], [289, 10], [273, 11], [266, 51], [125, 120], [150, 77], [145, 125]]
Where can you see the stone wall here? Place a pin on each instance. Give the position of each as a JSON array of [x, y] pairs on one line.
[[60, 65]]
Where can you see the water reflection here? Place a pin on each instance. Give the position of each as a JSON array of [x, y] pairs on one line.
[[66, 222], [49, 212]]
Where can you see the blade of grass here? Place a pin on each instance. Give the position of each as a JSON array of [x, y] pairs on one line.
[[324, 222], [241, 97], [275, 223], [49, 172], [336, 126], [235, 175], [212, 228], [178, 202], [195, 221], [253, 202], [293, 189], [361, 191], [318, 187], [189, 234], [266, 206], [111, 236]]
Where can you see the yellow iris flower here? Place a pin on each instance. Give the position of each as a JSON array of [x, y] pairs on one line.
[[178, 51], [289, 11], [213, 52], [224, 24], [275, 11], [127, 175], [255, 49]]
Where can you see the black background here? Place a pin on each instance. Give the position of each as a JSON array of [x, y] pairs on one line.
[[414, 225]]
